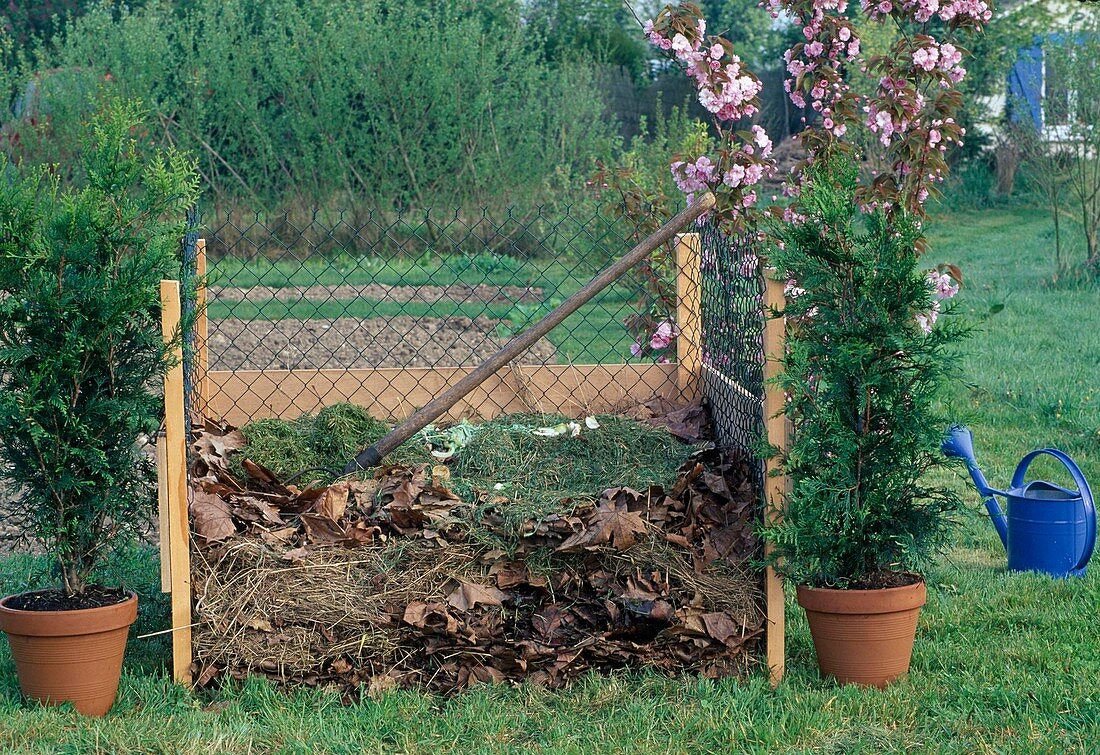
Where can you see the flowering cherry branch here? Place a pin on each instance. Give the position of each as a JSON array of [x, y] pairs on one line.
[[729, 91], [916, 99], [912, 111]]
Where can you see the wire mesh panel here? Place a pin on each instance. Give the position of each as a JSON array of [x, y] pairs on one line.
[[386, 310], [733, 319]]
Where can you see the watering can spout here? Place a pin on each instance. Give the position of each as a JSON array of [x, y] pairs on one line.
[[959, 444]]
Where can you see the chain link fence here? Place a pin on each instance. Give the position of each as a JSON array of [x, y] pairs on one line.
[[734, 314], [386, 310]]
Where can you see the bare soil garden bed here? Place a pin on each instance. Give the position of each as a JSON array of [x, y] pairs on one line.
[[456, 292], [350, 343]]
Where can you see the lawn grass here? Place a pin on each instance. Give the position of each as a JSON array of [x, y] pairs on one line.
[[1003, 662]]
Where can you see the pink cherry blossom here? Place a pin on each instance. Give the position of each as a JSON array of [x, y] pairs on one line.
[[664, 334]]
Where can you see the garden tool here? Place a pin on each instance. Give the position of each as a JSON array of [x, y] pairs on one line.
[[372, 455], [1048, 528]]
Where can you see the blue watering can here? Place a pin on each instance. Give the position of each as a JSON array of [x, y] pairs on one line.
[[1048, 528]]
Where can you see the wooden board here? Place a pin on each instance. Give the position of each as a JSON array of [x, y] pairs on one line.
[[775, 491], [175, 468], [689, 349], [395, 393], [732, 384], [163, 522]]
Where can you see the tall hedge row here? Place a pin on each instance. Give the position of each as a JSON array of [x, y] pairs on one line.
[[400, 103]]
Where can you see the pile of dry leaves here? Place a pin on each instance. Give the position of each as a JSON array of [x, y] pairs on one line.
[[394, 581]]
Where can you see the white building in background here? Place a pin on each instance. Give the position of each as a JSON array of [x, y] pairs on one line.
[[1037, 92]]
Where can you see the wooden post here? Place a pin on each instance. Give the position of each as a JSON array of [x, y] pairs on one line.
[[689, 354], [162, 512], [776, 484], [201, 398], [175, 469]]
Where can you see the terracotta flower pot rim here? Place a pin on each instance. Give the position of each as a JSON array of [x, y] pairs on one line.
[[881, 600], [67, 623]]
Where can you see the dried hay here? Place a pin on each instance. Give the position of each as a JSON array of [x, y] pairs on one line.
[[398, 580], [291, 619]]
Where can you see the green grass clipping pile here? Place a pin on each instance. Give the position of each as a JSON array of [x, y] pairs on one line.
[[503, 458]]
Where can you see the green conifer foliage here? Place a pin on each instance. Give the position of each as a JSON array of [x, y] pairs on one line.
[[80, 341], [863, 380]]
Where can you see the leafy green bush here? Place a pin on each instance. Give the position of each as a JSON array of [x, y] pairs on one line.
[[393, 103], [863, 372], [80, 344]]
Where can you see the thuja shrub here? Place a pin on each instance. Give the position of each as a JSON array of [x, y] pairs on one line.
[[80, 341], [863, 374]]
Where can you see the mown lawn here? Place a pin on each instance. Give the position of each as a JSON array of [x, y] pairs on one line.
[[1003, 663]]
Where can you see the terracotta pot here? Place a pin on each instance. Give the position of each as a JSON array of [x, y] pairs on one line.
[[863, 636], [70, 656]]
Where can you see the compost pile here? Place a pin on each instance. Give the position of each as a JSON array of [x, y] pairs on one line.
[[397, 580]]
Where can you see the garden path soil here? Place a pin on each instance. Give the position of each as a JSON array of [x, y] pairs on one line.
[[349, 343]]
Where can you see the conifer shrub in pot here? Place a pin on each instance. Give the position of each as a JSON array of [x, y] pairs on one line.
[[80, 354], [868, 356], [868, 350]]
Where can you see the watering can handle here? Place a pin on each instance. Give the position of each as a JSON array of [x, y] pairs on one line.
[[1082, 488]]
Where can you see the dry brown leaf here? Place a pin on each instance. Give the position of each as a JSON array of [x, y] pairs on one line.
[[721, 626], [204, 674], [265, 510], [307, 496], [320, 529], [260, 624], [471, 675], [661, 611], [441, 476], [430, 617], [379, 685], [612, 523], [469, 594], [509, 573], [296, 554], [688, 423], [334, 502], [215, 449], [362, 534], [364, 492], [211, 517], [259, 472], [280, 536], [547, 621]]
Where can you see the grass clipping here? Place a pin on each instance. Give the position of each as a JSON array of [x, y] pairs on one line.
[[525, 558]]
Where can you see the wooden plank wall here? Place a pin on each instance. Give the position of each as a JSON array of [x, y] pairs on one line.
[[395, 393]]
